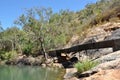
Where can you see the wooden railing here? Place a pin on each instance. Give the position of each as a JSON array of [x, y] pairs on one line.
[[115, 44]]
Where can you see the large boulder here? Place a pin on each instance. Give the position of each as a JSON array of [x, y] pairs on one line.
[[115, 35], [109, 57]]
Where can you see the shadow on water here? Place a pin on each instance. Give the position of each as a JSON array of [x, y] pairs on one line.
[[29, 73]]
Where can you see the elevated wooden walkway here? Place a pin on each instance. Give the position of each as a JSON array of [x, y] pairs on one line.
[[115, 44]]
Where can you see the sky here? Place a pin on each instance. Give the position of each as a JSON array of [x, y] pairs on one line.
[[10, 10]]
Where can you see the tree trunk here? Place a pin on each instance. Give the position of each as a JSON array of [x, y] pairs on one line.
[[43, 48]]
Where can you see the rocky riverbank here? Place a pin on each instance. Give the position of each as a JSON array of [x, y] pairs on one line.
[[32, 61]]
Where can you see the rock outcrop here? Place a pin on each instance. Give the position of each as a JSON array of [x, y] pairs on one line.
[[112, 74], [109, 61], [114, 35], [24, 60], [106, 31]]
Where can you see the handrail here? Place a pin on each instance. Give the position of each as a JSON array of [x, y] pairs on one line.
[[115, 44]]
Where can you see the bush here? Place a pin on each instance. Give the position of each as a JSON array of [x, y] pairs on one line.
[[27, 50], [85, 65], [8, 55]]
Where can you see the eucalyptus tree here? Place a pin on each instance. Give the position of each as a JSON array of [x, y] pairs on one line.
[[35, 24]]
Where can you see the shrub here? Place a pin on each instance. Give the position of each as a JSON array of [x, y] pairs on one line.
[[27, 50], [85, 65], [8, 55]]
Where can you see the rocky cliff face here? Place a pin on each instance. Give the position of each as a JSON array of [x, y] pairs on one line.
[[107, 31], [109, 67]]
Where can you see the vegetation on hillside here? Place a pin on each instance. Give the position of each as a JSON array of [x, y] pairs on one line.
[[42, 30]]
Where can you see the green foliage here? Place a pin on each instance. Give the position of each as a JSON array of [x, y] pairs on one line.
[[85, 65], [8, 55], [27, 50]]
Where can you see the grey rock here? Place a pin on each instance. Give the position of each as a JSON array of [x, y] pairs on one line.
[[70, 73], [109, 57], [115, 35], [110, 61]]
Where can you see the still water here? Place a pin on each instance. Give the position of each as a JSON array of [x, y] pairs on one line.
[[29, 73]]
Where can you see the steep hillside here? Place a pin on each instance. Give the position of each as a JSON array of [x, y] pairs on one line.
[[96, 19]]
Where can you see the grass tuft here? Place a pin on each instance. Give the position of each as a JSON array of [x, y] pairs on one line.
[[85, 65]]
